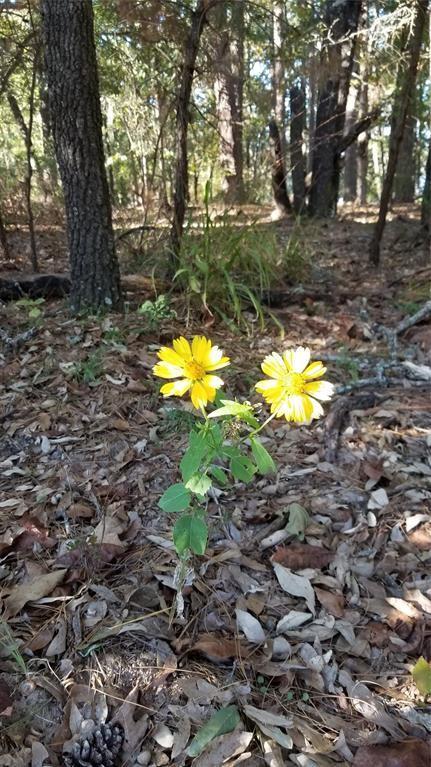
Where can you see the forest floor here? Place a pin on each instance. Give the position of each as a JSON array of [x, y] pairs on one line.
[[309, 623]]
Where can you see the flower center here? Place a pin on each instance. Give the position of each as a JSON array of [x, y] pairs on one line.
[[194, 371], [293, 383]]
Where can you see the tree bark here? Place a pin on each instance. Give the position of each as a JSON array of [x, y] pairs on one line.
[[297, 159], [404, 182], [228, 89], [281, 198], [341, 19], [3, 238], [73, 86], [351, 157], [363, 139], [182, 121], [426, 196], [407, 79]]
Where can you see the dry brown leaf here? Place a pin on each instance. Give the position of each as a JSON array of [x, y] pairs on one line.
[[134, 728], [224, 747], [332, 602], [410, 753], [421, 538], [219, 649], [35, 589], [299, 556]]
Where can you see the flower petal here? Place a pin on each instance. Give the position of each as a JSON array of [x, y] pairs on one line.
[[301, 409], [199, 396], [315, 370], [176, 388], [322, 390], [301, 358], [167, 370], [214, 382], [274, 366], [168, 355], [182, 347], [201, 348], [223, 361]]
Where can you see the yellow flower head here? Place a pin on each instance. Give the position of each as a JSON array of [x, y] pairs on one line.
[[291, 388], [193, 366]]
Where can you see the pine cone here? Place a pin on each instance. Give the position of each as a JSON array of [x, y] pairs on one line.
[[100, 749]]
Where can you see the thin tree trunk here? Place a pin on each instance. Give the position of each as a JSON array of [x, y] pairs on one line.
[[199, 16], [27, 131], [363, 139], [3, 239], [297, 159], [404, 182], [426, 196], [281, 198], [407, 78], [336, 63], [351, 155], [71, 67]]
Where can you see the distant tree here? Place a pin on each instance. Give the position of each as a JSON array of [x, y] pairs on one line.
[[403, 93], [74, 102], [297, 159], [404, 183], [228, 89], [426, 196], [341, 21]]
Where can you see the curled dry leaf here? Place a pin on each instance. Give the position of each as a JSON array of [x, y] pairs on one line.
[[250, 626], [299, 556], [296, 585], [35, 589], [410, 753]]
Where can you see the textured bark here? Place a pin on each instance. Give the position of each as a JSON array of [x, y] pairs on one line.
[[71, 70], [297, 159], [363, 139], [426, 196], [404, 183], [228, 89], [406, 81], [351, 157], [4, 244], [281, 198], [182, 125], [341, 19]]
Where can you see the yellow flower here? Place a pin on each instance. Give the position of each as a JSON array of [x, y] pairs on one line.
[[192, 366], [291, 388]]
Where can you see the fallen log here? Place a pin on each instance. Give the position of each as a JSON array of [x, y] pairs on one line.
[[14, 286]]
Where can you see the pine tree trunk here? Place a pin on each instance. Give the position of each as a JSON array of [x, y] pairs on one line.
[[228, 89], [404, 183], [297, 159], [182, 126], [362, 146], [426, 196], [281, 198], [71, 68], [350, 176], [4, 239], [406, 79], [341, 19]]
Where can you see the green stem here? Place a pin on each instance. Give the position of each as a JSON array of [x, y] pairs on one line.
[[258, 429]]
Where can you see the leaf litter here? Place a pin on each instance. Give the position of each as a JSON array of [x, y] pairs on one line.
[[311, 607]]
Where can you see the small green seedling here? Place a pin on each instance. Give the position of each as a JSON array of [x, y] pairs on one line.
[[156, 312], [32, 307], [421, 673]]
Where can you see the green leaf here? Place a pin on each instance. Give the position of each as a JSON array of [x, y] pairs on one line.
[[34, 313], [194, 455], [421, 673], [242, 410], [242, 468], [298, 520], [175, 498], [190, 533], [264, 462], [199, 484], [219, 475], [221, 722]]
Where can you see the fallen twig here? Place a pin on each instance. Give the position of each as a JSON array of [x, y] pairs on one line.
[[12, 344]]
